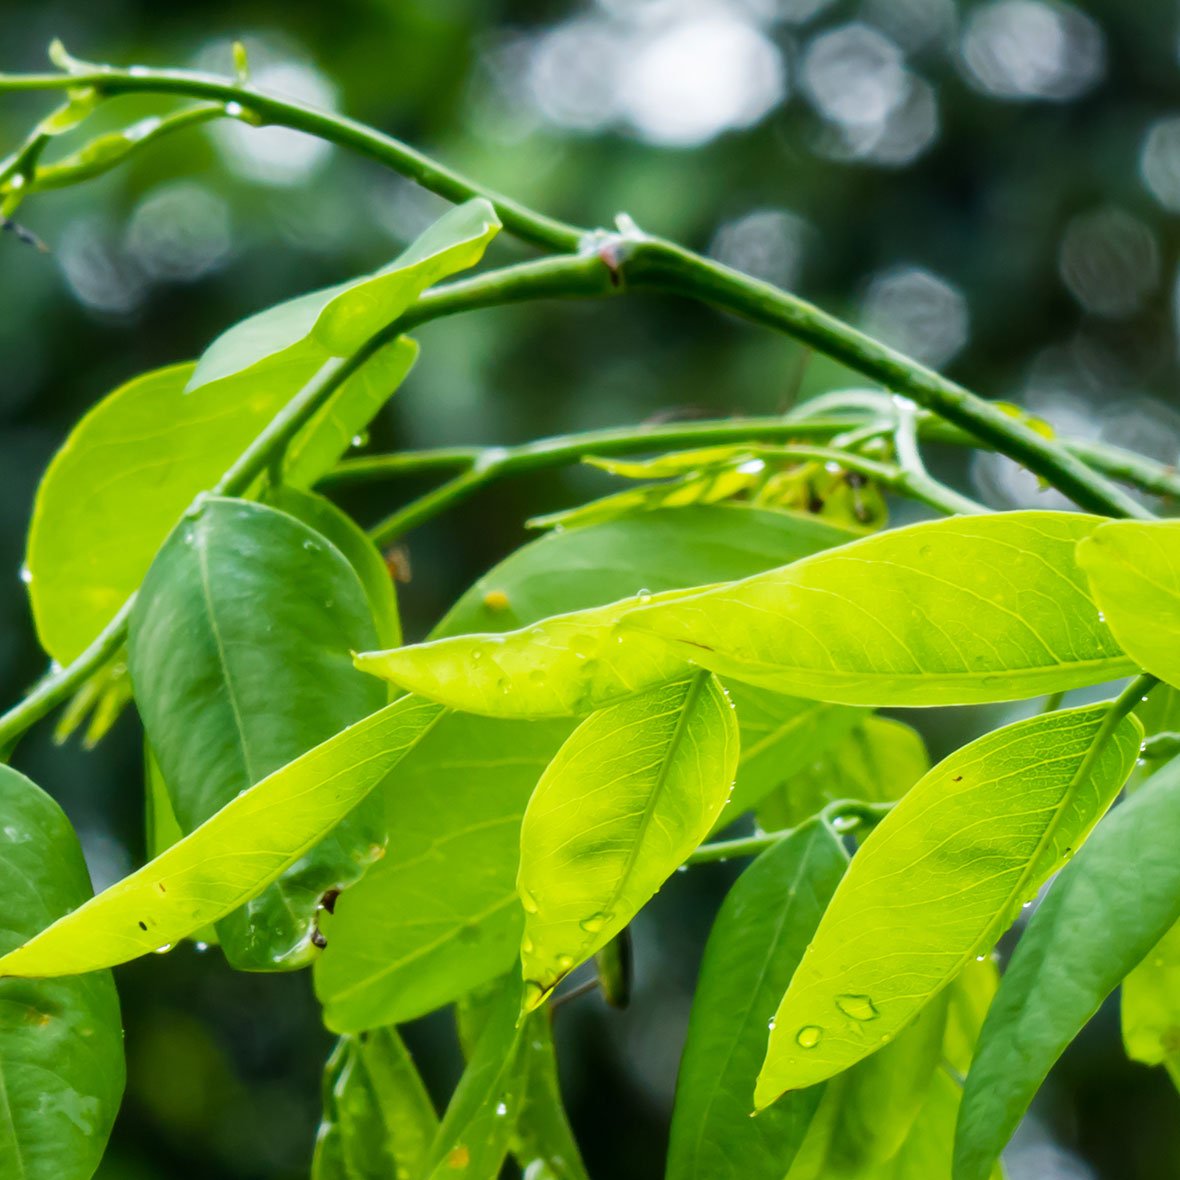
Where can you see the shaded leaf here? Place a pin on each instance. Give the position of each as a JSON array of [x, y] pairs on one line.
[[439, 915], [761, 931], [231, 857], [939, 880], [229, 693], [61, 1041], [1099, 919], [628, 796], [880, 621]]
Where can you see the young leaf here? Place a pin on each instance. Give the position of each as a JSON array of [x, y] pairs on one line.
[[61, 1042], [337, 320], [938, 881], [127, 473], [1106, 910], [1150, 1006], [759, 936], [478, 1126], [415, 933], [877, 763], [378, 1118], [229, 693], [631, 793], [232, 857], [1134, 571], [880, 621]]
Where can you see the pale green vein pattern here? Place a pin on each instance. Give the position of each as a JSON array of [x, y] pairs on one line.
[[231, 857], [1134, 571], [631, 793], [958, 611], [938, 881]]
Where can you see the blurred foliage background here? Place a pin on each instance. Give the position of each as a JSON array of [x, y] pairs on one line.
[[991, 186]]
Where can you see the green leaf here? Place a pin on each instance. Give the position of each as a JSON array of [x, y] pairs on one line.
[[1106, 910], [577, 569], [126, 475], [761, 931], [881, 621], [877, 762], [321, 515], [337, 320], [1134, 571], [61, 1042], [938, 881], [206, 662], [631, 793], [232, 857], [414, 933], [378, 1118], [1150, 1006], [478, 1126]]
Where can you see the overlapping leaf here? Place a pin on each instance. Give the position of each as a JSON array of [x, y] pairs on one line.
[[937, 882], [882, 621], [1106, 910], [61, 1041], [631, 793]]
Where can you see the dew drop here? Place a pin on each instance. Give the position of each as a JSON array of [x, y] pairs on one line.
[[809, 1036], [565, 962], [162, 950], [1102, 616], [233, 110], [310, 546], [858, 1007], [529, 902], [594, 923], [980, 958], [770, 1024], [26, 574], [527, 945], [501, 1109], [200, 947], [477, 654]]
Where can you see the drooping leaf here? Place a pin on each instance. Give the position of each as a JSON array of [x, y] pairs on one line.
[[378, 1118], [938, 881], [127, 473], [881, 621], [759, 936], [439, 915], [61, 1041], [876, 763], [1134, 572], [325, 518], [478, 1126], [628, 796], [238, 646], [337, 320], [232, 857], [1118, 897], [1150, 1006]]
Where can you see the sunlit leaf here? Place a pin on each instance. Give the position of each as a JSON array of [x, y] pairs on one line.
[[61, 1041], [232, 857], [759, 936], [939, 880], [1118, 897], [1134, 571], [229, 693], [631, 793], [439, 915], [1150, 1006], [378, 1118], [882, 621]]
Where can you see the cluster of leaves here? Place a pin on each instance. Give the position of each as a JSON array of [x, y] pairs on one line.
[[469, 820]]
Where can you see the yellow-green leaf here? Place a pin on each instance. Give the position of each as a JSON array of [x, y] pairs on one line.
[[631, 793], [939, 880], [1151, 1007]]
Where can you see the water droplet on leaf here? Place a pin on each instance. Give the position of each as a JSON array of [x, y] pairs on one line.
[[809, 1036]]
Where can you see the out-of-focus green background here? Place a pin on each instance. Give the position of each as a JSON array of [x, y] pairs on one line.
[[991, 186]]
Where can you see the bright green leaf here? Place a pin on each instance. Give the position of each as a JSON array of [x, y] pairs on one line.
[[378, 1118], [939, 880], [61, 1041], [229, 693], [631, 793], [1118, 897], [882, 621], [761, 931], [1134, 571], [232, 857], [876, 763], [1150, 1006], [416, 933]]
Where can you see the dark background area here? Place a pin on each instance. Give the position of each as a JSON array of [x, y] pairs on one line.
[[990, 186]]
